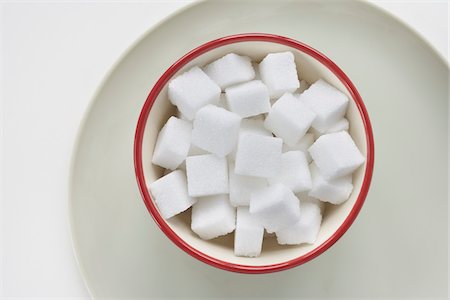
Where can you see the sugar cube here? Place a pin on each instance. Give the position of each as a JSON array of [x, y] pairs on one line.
[[335, 191], [248, 99], [213, 216], [305, 230], [206, 175], [289, 119], [294, 172], [336, 154], [172, 144], [279, 72], [248, 237], [275, 206], [251, 125], [216, 130], [303, 145], [340, 125], [191, 91], [230, 69], [258, 155], [254, 125], [304, 197], [170, 194], [327, 102], [241, 187]]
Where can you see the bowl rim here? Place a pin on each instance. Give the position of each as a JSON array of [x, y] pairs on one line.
[[143, 118]]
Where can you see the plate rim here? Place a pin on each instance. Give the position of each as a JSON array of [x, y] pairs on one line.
[[413, 30], [87, 111]]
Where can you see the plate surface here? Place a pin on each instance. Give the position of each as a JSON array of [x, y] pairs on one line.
[[398, 244]]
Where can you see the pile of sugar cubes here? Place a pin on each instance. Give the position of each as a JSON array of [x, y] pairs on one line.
[[254, 149]]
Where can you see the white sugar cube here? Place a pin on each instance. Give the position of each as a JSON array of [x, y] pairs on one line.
[[241, 187], [192, 90], [276, 207], [172, 144], [252, 125], [206, 175], [294, 172], [193, 150], [303, 145], [170, 194], [329, 104], [230, 69], [258, 155], [279, 72], [336, 154], [289, 119], [305, 230], [335, 191], [248, 236], [303, 86], [213, 216], [248, 99], [304, 197], [340, 125], [216, 130]]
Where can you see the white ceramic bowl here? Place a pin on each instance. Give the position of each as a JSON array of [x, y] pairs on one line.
[[312, 65]]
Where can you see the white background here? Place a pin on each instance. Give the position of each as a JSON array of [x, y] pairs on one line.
[[53, 56]]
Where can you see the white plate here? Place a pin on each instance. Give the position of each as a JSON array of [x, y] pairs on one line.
[[398, 244]]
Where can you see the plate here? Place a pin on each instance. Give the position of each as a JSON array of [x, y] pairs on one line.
[[396, 247]]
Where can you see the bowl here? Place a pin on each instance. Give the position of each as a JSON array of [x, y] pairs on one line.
[[218, 252]]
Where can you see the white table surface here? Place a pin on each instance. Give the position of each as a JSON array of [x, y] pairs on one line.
[[54, 55]]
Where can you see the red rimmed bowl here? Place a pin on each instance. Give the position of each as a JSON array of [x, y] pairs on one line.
[[312, 65]]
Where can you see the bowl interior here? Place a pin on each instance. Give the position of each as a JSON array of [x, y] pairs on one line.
[[221, 248]]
